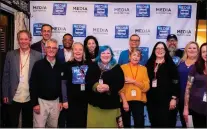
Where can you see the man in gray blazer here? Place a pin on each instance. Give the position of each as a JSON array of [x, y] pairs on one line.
[[16, 75]]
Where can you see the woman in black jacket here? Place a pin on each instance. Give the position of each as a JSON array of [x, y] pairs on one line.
[[104, 80], [164, 87]]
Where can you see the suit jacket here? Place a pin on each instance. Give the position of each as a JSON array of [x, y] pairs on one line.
[[37, 46], [61, 56], [12, 71]]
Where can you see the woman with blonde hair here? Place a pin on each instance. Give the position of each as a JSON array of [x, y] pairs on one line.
[[73, 87], [189, 58], [134, 92]]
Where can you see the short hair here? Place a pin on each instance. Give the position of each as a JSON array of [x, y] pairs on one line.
[[26, 32], [135, 50], [185, 50], [46, 25], [134, 35], [102, 49], [51, 40], [67, 34], [72, 55]]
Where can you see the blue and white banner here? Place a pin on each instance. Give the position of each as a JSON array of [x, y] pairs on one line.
[[113, 23]]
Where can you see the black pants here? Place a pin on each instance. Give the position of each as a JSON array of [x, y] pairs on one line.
[[5, 116], [137, 110], [173, 118], [199, 120], [62, 120], [27, 114], [77, 115], [181, 108]]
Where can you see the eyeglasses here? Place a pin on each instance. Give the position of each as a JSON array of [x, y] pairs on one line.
[[160, 48], [53, 48], [134, 40]]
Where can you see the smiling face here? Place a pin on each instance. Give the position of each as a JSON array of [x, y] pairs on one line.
[[192, 50], [91, 45], [78, 51], [67, 41], [134, 42], [51, 49], [46, 32], [204, 53], [160, 51], [135, 57], [106, 56], [24, 40]]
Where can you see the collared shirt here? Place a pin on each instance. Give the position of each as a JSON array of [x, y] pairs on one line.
[[22, 93], [43, 49], [52, 63], [67, 54]]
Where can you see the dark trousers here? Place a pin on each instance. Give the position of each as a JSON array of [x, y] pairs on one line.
[[181, 108], [62, 121], [199, 120], [77, 115], [27, 114], [5, 116], [172, 118], [137, 110]]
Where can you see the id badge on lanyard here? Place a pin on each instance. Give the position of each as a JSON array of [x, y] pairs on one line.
[[204, 97], [83, 87]]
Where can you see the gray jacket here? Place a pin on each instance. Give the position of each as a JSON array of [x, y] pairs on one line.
[[12, 71]]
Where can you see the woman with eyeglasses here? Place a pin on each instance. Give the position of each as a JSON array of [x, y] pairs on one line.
[[104, 80], [74, 87], [91, 48], [196, 91], [164, 87], [187, 61]]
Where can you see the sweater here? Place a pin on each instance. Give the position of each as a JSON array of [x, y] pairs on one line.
[[114, 78], [141, 76], [45, 81]]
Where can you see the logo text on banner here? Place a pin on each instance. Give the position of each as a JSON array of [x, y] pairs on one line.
[[59, 30], [121, 11], [101, 10], [163, 32], [59, 8], [142, 10], [122, 31], [163, 10], [39, 8], [37, 29], [80, 9], [100, 31], [184, 11], [183, 32], [79, 30], [142, 31]]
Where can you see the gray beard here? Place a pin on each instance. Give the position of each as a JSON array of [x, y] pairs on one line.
[[172, 51]]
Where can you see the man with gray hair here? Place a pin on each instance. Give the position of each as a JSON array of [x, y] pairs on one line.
[[45, 88]]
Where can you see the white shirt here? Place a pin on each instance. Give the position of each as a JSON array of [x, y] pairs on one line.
[[67, 54]]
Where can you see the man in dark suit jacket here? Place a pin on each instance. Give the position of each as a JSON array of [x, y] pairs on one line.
[[63, 56], [46, 32], [15, 86]]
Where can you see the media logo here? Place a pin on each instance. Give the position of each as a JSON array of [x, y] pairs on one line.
[[59, 8], [184, 11], [37, 29], [163, 11], [100, 31], [184, 33], [122, 31], [163, 32], [142, 31], [101, 10], [39, 8], [80, 9], [59, 30], [121, 11], [79, 30], [142, 10]]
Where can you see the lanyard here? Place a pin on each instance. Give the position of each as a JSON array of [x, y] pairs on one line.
[[22, 65], [134, 77], [156, 67]]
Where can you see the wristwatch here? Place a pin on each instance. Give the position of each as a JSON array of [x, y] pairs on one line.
[[174, 97]]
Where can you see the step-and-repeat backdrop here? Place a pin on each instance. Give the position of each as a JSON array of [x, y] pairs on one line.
[[113, 23]]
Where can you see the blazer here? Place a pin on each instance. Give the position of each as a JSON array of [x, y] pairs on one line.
[[60, 56], [37, 46], [12, 72]]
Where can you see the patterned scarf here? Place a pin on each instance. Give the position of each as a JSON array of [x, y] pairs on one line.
[[105, 67]]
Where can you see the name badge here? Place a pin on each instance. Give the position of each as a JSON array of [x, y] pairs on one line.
[[133, 93], [204, 97], [100, 81], [154, 83], [21, 79], [82, 87]]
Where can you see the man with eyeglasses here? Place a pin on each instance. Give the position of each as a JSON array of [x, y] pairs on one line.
[[134, 42], [175, 53], [64, 55], [46, 32], [45, 88]]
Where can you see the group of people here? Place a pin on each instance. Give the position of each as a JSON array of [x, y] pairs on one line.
[[82, 85]]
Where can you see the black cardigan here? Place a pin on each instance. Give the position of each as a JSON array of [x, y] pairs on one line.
[[45, 81], [114, 78]]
